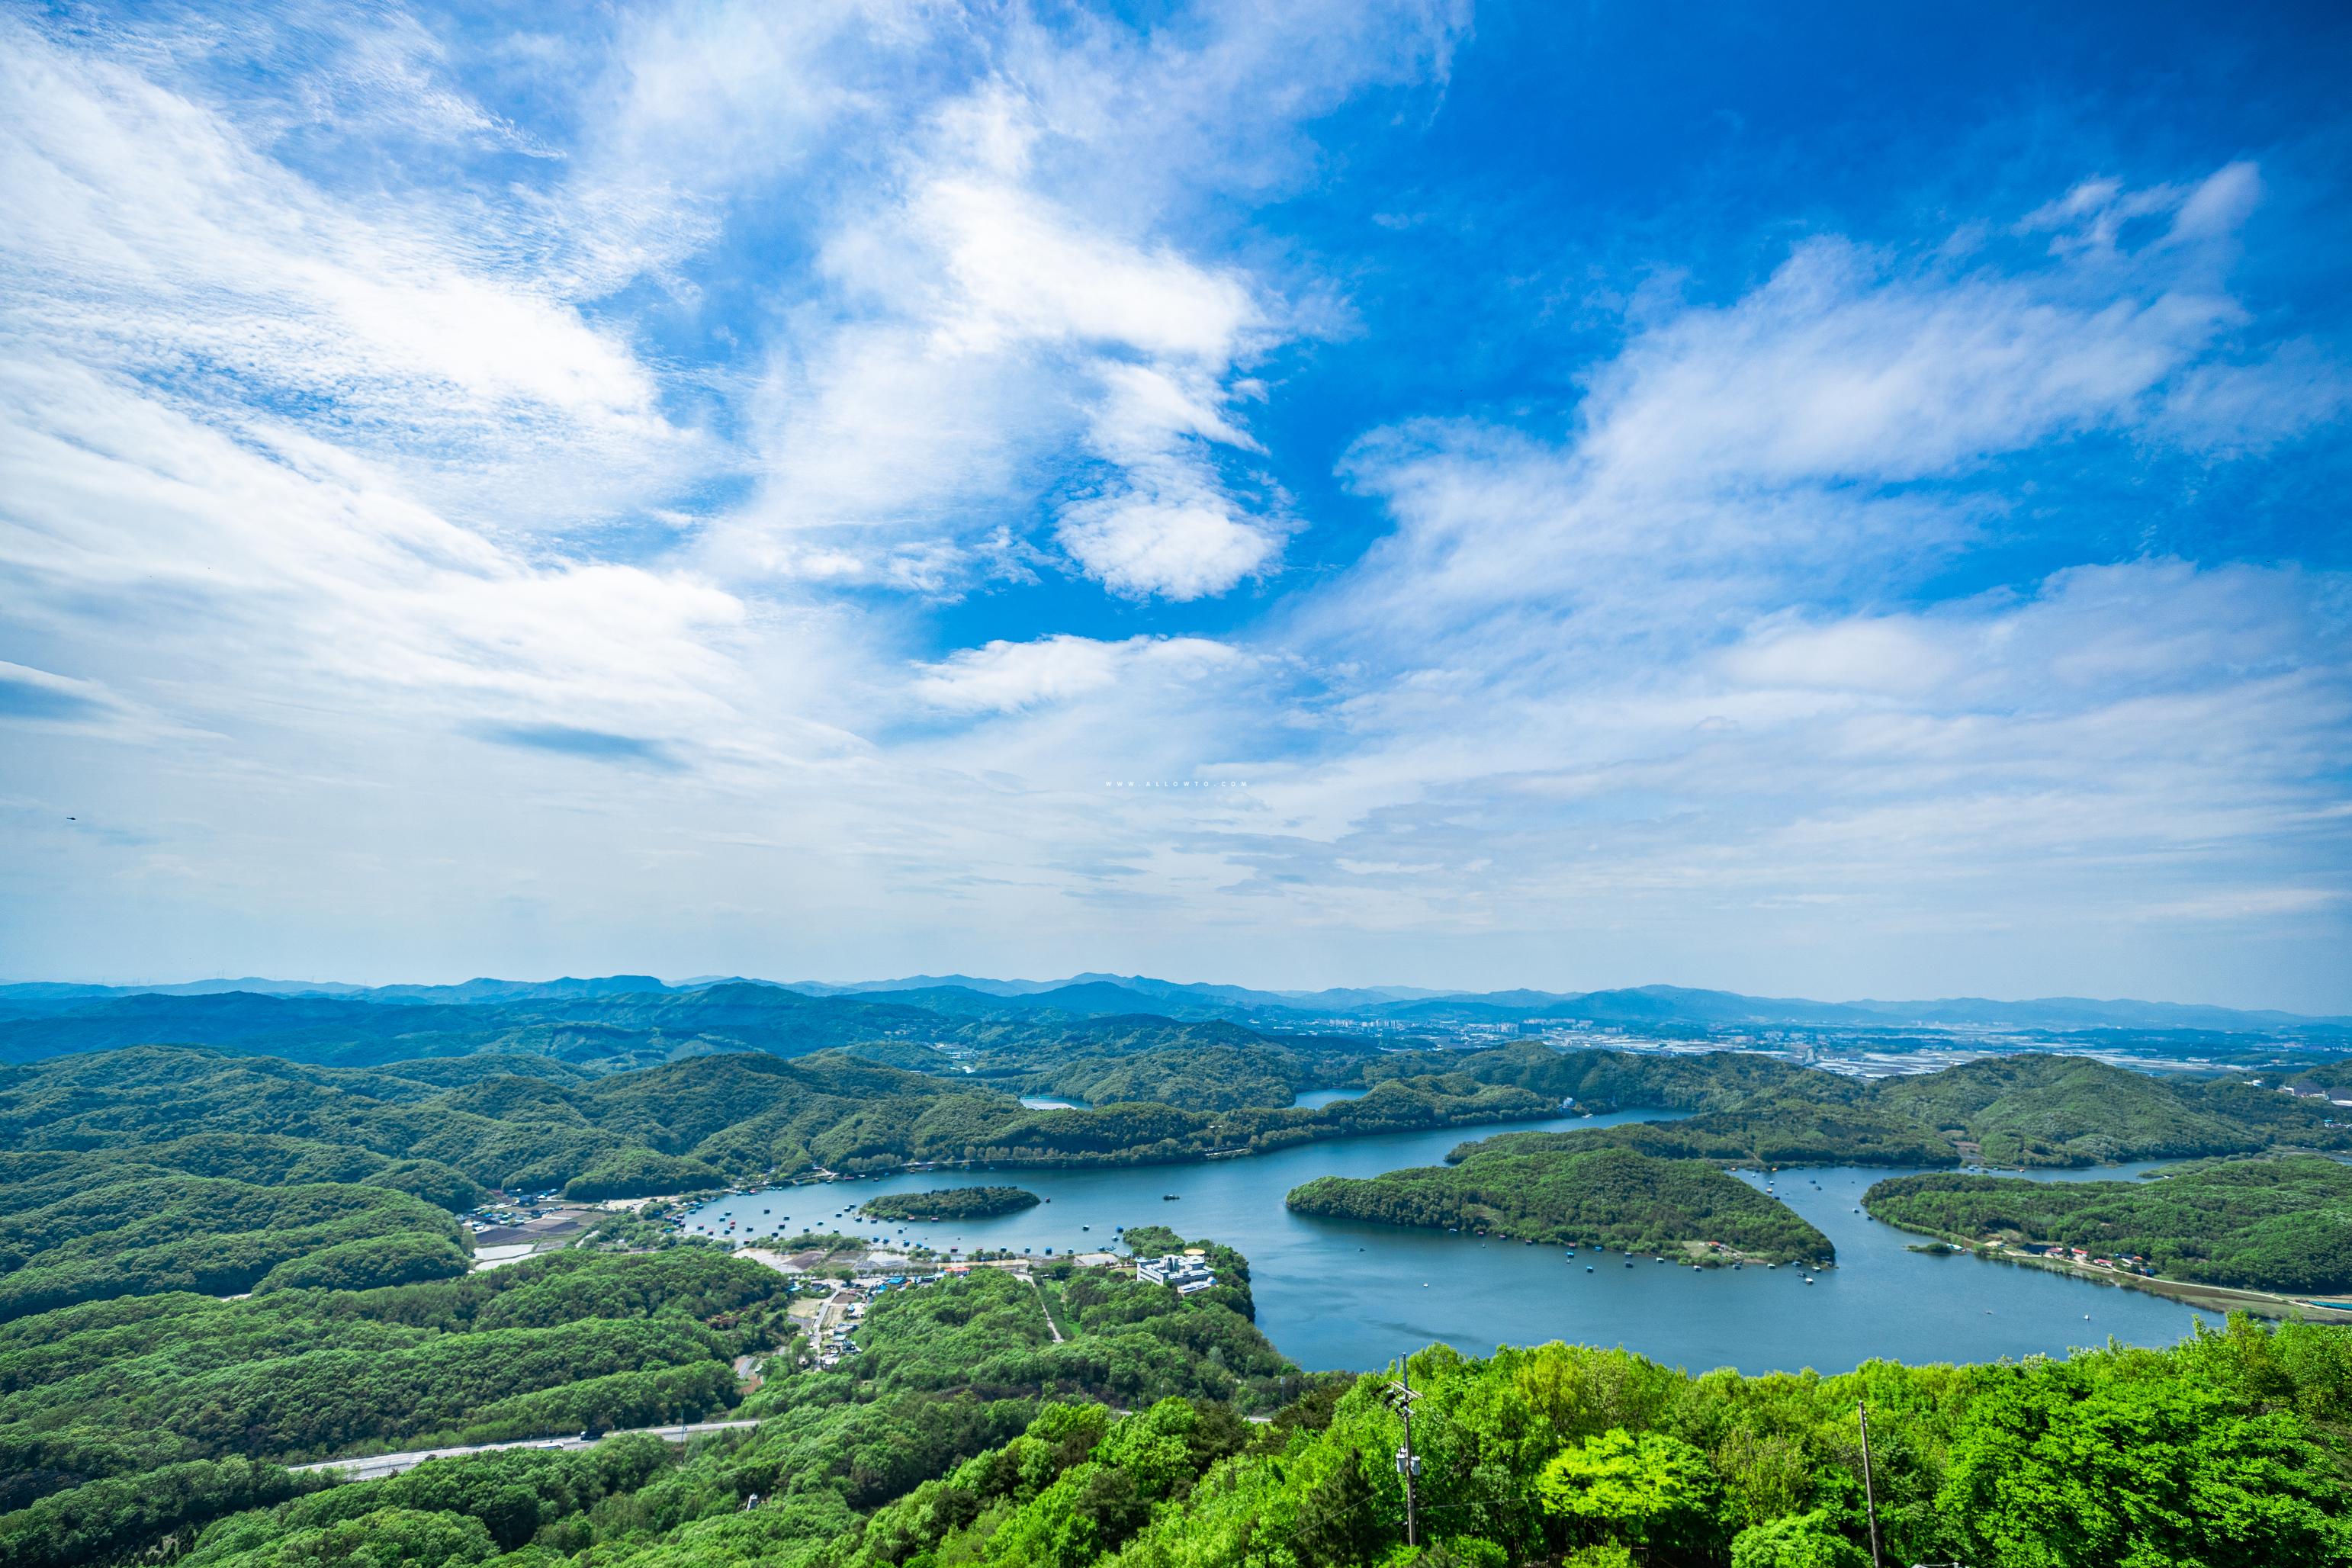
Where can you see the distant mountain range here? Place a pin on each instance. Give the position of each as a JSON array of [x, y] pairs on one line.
[[1094, 996]]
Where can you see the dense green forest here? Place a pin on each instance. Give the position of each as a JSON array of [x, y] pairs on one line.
[[616, 1031], [2016, 1110], [2266, 1224], [109, 1405], [86, 1226], [608, 1031], [113, 1415], [949, 1203], [1071, 1417], [2228, 1451], [1630, 1202], [698, 1121], [1213, 1076]]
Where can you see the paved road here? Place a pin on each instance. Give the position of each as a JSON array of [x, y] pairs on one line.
[[376, 1467]]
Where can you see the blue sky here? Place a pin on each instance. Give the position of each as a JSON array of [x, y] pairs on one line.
[[1828, 500]]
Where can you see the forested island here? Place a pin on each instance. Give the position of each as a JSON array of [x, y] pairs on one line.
[[2281, 1225], [949, 1203], [1630, 1202]]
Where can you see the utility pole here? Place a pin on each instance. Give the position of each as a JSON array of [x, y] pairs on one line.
[[1407, 1465], [1869, 1497]]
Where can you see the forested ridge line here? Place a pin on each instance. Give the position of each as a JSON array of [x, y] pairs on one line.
[[2026, 1109], [702, 1120]]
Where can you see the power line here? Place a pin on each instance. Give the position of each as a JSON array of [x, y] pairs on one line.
[[1407, 1465], [1869, 1497]]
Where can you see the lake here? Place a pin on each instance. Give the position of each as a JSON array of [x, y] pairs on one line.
[[1338, 1294]]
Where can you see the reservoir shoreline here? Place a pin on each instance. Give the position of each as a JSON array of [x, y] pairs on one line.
[[1344, 1295]]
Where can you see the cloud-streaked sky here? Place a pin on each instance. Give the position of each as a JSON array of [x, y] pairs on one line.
[[1826, 500]]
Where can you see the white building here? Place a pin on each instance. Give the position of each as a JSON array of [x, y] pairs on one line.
[[1188, 1272]]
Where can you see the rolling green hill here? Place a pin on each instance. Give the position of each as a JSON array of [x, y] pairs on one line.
[[2028, 1109], [626, 1029], [128, 1230], [739, 1114], [123, 1421]]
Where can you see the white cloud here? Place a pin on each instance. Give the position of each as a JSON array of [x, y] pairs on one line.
[[287, 570], [140, 228], [1142, 546], [1875, 654], [997, 305], [1834, 370], [2219, 204], [365, 515], [1007, 676], [1020, 271], [1823, 423]]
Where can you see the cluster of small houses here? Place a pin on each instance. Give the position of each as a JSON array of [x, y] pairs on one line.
[[2309, 1091], [497, 1215], [2312, 1091], [2132, 1263]]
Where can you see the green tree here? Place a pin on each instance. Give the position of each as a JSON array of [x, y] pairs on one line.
[[1653, 1489], [2067, 1466], [1337, 1525], [1795, 1541], [388, 1537]]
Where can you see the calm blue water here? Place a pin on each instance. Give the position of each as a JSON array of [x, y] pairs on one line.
[[1334, 1294]]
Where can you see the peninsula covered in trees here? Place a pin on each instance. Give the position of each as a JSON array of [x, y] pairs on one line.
[[2263, 1225], [1615, 1197], [949, 1203]]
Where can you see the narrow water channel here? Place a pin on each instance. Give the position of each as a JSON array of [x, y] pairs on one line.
[[1338, 1294]]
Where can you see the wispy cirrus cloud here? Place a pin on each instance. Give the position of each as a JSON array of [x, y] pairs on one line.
[[773, 469], [1666, 670], [1008, 311], [146, 232]]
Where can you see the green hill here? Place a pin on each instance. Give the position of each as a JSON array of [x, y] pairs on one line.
[[2265, 1224], [124, 1231], [741, 1115], [1625, 1199], [2034, 1109]]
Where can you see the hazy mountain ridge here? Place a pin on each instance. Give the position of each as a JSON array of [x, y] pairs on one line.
[[609, 998]]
